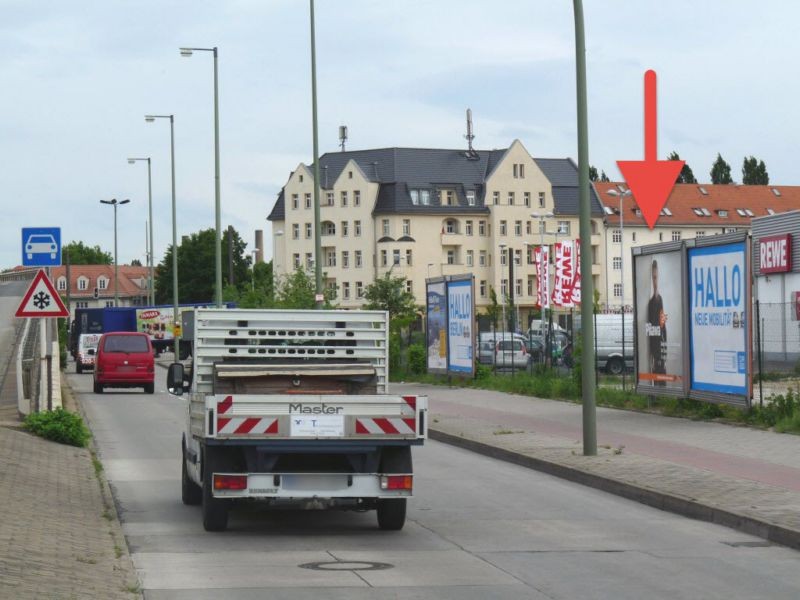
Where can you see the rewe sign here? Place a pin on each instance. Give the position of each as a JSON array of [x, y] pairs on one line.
[[775, 253]]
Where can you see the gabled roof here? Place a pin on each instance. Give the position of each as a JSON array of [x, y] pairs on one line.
[[704, 204], [563, 176], [127, 275]]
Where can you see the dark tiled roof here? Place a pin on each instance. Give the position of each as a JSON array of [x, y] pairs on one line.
[[563, 176], [279, 210]]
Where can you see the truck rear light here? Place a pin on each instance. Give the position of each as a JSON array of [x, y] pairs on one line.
[[397, 482], [230, 482]]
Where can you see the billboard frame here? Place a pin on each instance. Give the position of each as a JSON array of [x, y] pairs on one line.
[[428, 283], [447, 280]]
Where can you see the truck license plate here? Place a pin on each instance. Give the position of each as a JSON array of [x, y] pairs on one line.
[[317, 426]]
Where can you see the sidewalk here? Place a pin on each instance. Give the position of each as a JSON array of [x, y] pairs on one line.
[[735, 476]]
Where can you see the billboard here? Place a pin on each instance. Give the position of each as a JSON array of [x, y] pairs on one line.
[[436, 328], [460, 324], [719, 320], [155, 322], [659, 319]]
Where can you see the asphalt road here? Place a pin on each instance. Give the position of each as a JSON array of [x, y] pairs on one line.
[[477, 529]]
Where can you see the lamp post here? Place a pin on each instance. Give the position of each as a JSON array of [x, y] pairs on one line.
[[542, 217], [254, 253], [113, 202], [613, 192], [217, 205], [152, 295], [505, 293], [175, 311]]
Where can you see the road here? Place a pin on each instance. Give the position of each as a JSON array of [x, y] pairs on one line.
[[478, 529]]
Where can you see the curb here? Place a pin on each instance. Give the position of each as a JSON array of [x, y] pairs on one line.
[[655, 498]]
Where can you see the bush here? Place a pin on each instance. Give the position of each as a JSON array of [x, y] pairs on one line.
[[395, 353], [59, 426], [482, 372], [417, 359]]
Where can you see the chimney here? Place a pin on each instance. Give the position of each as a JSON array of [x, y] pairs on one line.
[[259, 245]]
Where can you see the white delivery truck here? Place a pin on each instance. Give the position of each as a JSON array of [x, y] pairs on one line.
[[291, 408]]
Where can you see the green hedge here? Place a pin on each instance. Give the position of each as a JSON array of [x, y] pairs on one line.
[[58, 426]]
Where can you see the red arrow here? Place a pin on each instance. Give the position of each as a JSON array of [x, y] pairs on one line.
[[650, 180]]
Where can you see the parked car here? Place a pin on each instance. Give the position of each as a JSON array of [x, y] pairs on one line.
[[503, 349], [87, 350], [124, 359], [608, 342], [487, 344]]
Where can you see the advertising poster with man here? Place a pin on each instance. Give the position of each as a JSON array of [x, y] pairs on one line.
[[437, 327], [718, 320], [659, 322]]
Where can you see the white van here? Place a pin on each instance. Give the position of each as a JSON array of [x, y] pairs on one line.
[[87, 349], [608, 341]]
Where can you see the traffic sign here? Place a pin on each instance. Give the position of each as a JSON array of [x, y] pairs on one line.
[[41, 246], [41, 300]]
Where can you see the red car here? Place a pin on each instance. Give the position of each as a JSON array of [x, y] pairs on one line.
[[124, 359]]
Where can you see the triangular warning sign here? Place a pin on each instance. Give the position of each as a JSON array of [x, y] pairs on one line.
[[41, 299]]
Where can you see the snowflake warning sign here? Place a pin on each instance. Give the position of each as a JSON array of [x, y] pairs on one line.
[[41, 300]]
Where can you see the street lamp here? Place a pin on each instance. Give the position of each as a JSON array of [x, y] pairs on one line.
[[217, 207], [113, 202], [615, 193], [542, 217], [254, 253], [132, 161], [505, 293], [175, 313]]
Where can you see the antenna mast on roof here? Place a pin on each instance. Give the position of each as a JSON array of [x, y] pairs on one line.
[[470, 153], [342, 135]]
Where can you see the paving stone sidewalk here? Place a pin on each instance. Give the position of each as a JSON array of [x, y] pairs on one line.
[[734, 476]]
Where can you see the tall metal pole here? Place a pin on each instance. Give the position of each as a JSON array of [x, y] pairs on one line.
[[150, 213], [175, 312], [217, 202], [622, 281], [543, 287], [317, 239], [116, 261], [587, 285]]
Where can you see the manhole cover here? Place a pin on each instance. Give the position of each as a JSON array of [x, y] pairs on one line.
[[346, 565]]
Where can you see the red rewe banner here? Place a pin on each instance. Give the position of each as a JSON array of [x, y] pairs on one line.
[[775, 253]]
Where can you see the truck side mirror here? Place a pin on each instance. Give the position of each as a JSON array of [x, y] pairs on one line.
[[175, 379]]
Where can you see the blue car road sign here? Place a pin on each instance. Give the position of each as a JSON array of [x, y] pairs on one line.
[[41, 246]]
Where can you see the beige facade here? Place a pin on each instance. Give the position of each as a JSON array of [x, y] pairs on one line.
[[360, 244]]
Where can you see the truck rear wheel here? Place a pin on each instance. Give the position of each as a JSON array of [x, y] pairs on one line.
[[215, 510], [191, 493], [392, 514]]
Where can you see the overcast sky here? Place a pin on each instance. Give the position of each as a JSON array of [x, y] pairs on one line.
[[78, 78]]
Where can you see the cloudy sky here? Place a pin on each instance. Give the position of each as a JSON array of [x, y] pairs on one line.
[[78, 78]]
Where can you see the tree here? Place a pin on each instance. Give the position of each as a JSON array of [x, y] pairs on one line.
[[493, 310], [84, 255], [390, 294], [603, 177], [593, 176], [297, 290], [721, 171], [686, 175], [196, 264], [136, 262], [264, 280], [754, 172]]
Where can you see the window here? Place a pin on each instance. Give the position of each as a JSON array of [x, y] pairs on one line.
[[482, 288], [345, 259], [617, 290], [468, 227], [503, 255], [511, 198], [542, 226], [496, 198], [563, 227], [357, 228], [700, 234], [470, 197], [528, 227], [409, 286], [660, 236], [518, 286], [356, 198], [308, 200], [519, 171], [349, 174], [633, 236], [414, 197], [296, 260], [309, 260], [295, 231], [62, 284], [406, 226], [83, 283], [517, 257], [530, 285], [451, 257], [81, 305], [385, 226], [517, 227], [330, 258], [723, 213], [504, 287], [470, 257], [503, 227], [329, 199], [359, 289], [346, 290], [516, 173], [359, 260], [345, 229], [481, 227], [676, 236], [295, 201], [482, 258], [425, 197], [530, 255], [527, 198], [395, 257], [408, 257], [329, 228], [616, 263], [301, 179], [451, 197], [308, 231], [451, 226], [616, 236], [541, 199], [343, 196], [384, 258], [102, 283]]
